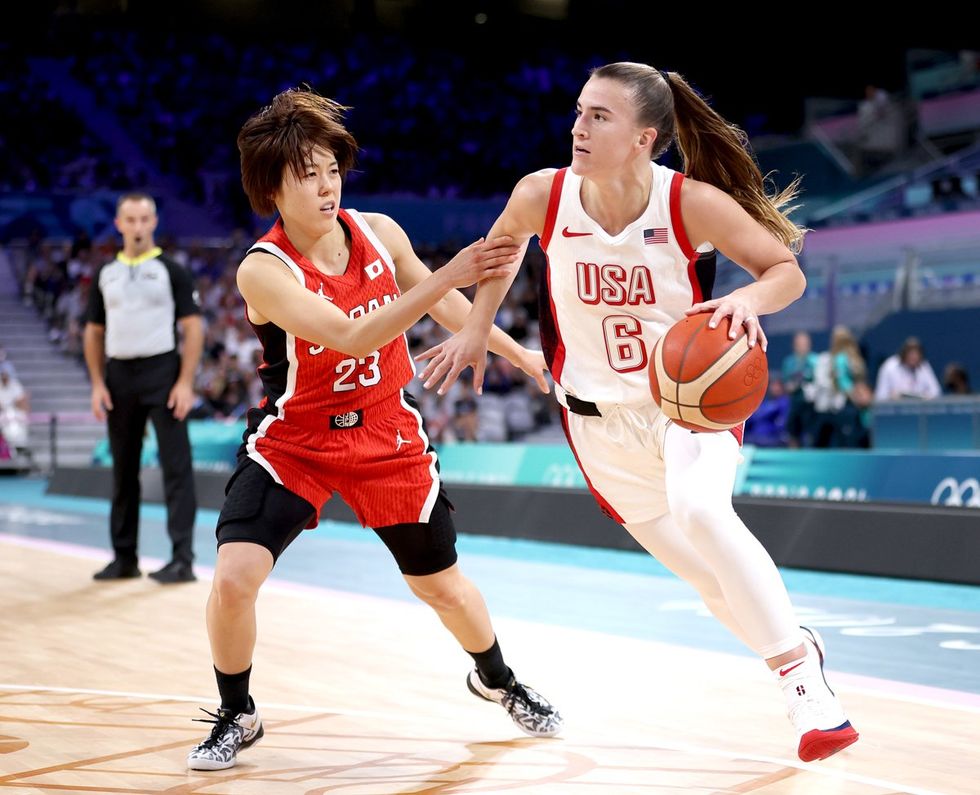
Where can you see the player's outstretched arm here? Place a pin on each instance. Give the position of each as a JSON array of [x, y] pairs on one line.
[[522, 218], [273, 294], [453, 309]]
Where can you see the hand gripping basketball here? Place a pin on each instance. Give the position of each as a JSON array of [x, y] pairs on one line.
[[705, 381]]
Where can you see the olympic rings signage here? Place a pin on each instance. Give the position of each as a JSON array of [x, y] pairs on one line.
[[957, 493]]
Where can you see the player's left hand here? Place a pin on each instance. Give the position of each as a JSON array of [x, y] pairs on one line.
[[533, 363], [466, 348], [741, 312], [180, 400]]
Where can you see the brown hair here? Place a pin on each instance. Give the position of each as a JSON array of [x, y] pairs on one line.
[[283, 135], [713, 150]]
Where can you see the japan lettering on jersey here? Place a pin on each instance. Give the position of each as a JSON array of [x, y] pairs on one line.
[[306, 382], [606, 299]]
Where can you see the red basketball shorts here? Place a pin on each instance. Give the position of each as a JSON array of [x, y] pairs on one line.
[[378, 459]]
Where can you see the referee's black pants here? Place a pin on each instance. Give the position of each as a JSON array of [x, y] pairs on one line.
[[139, 389]]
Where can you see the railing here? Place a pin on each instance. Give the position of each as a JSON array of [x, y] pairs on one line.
[[941, 425], [48, 445]]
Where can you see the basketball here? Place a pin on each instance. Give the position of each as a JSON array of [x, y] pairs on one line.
[[704, 381]]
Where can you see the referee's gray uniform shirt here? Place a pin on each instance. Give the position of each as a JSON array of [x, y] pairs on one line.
[[139, 302]]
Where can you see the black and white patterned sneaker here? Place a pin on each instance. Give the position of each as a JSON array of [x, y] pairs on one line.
[[529, 710], [231, 734]]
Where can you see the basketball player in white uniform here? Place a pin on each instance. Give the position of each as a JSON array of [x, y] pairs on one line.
[[630, 247]]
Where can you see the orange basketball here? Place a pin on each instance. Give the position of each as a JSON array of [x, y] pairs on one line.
[[703, 380]]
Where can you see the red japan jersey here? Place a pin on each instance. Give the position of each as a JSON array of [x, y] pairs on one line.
[[307, 384]]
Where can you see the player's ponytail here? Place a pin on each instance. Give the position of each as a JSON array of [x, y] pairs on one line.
[[712, 149]]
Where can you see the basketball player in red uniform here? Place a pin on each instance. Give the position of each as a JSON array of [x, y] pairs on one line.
[[630, 246], [330, 293]]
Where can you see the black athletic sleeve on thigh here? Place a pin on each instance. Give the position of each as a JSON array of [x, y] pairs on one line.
[[423, 548], [244, 493], [258, 510]]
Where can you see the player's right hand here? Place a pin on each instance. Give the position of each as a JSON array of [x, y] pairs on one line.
[[101, 401], [483, 260]]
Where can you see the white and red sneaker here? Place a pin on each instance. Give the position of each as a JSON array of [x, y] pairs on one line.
[[814, 710]]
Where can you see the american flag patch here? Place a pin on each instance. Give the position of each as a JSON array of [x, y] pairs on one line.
[[652, 236]]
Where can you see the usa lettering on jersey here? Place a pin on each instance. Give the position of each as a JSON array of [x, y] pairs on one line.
[[615, 285], [610, 296]]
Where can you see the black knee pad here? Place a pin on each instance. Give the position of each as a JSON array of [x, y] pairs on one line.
[[423, 548]]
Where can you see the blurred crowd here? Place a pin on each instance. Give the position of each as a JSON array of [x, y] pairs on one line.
[[177, 100], [46, 144], [824, 399], [58, 278], [181, 99]]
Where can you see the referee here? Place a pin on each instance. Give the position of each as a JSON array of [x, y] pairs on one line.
[[135, 305]]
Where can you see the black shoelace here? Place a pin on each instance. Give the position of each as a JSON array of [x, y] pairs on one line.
[[517, 692], [221, 723]]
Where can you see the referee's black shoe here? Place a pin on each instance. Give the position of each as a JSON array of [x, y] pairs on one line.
[[118, 570], [175, 571]]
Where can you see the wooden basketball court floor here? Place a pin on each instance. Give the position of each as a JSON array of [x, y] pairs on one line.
[[362, 691]]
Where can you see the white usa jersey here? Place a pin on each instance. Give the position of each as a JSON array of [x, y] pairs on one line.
[[605, 300]]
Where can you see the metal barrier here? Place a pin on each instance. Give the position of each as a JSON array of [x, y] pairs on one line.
[[60, 438]]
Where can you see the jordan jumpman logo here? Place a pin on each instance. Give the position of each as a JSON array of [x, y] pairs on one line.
[[398, 440]]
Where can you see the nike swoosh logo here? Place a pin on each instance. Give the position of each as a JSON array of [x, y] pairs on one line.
[[566, 233], [784, 671]]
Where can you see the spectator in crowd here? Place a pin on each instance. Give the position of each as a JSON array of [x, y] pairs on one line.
[[767, 426], [6, 364], [850, 374], [827, 400], [837, 398], [798, 371], [956, 380], [14, 406], [907, 374], [881, 129]]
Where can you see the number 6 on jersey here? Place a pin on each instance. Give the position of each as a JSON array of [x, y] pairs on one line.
[[624, 343]]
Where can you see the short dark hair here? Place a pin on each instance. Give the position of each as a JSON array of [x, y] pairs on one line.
[[283, 135], [911, 344], [135, 196]]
